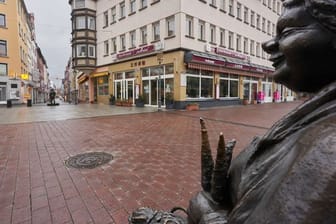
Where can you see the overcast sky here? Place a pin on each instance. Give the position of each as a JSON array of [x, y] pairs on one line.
[[53, 33]]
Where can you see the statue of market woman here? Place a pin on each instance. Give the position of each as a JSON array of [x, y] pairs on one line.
[[289, 174]]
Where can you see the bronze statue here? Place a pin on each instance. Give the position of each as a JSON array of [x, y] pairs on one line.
[[289, 174]]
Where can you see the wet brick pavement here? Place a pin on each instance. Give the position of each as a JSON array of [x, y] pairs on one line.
[[156, 162]]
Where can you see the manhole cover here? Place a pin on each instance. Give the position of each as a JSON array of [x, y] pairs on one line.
[[88, 160]]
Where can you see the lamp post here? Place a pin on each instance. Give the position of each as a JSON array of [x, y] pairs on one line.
[[159, 59]]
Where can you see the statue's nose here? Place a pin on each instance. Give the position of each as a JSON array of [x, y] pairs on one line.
[[270, 46]]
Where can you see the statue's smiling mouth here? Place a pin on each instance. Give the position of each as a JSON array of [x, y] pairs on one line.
[[277, 60]]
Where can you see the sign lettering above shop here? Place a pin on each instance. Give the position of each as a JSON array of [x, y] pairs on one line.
[[138, 51], [225, 52]]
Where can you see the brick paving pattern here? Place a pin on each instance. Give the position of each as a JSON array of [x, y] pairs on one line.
[[156, 162]]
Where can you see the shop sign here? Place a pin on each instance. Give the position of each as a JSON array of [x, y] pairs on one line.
[[138, 63], [225, 52], [237, 66], [25, 76], [138, 51], [207, 60]]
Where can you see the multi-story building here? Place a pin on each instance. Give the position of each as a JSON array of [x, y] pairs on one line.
[[18, 53], [207, 51]]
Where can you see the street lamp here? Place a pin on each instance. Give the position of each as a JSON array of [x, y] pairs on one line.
[[159, 59]]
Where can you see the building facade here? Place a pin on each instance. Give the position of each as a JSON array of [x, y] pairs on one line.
[[176, 51], [19, 73]]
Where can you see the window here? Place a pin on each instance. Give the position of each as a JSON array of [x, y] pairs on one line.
[[143, 35], [273, 6], [269, 4], [273, 29], [268, 27], [258, 22], [278, 8], [189, 26], [106, 47], [122, 10], [245, 15], [81, 50], [170, 26], [79, 4], [132, 39], [245, 45], [222, 37], [199, 84], [2, 1], [143, 3], [2, 20], [80, 22], [252, 47], [3, 69], [213, 2], [3, 48], [231, 7], [238, 10], [252, 19], [212, 34], [113, 45], [230, 40], [122, 42], [228, 85], [222, 5], [263, 25], [201, 30], [92, 51], [91, 23], [113, 14], [132, 6], [238, 42], [105, 19], [156, 31], [258, 47]]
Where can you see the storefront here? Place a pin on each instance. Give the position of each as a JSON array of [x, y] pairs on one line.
[[99, 90], [83, 88]]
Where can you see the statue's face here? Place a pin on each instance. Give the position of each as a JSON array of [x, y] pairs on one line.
[[303, 52]]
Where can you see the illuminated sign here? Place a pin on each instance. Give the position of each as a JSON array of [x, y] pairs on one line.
[[25, 76]]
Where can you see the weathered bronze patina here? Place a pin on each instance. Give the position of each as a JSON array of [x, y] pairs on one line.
[[289, 174]]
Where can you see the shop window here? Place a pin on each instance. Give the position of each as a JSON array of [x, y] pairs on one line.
[[199, 86], [102, 83], [228, 86], [2, 20], [3, 69]]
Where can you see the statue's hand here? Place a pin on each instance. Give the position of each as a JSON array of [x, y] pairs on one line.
[[210, 205], [215, 177]]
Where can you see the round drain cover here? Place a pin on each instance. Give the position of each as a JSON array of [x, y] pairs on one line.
[[88, 160]]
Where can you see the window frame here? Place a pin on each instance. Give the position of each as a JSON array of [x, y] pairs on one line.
[[4, 20], [170, 23], [5, 69], [4, 47]]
